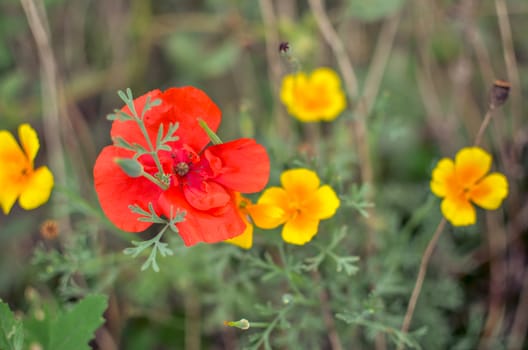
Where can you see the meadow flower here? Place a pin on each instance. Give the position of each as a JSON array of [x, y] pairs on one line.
[[245, 240], [202, 180], [300, 204], [246, 210], [313, 97], [464, 182], [18, 176]]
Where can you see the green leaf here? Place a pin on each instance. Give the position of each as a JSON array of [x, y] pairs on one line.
[[373, 10], [74, 328], [11, 334]]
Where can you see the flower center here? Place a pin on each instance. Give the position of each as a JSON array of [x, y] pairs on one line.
[[182, 168], [24, 174]]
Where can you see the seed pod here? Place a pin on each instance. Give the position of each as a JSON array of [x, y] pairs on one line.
[[499, 93]]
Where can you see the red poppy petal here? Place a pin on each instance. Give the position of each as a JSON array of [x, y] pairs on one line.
[[188, 104], [116, 191], [183, 105], [244, 165], [209, 226], [129, 130], [207, 196]]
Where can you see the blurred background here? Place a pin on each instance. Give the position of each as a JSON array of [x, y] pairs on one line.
[[424, 70]]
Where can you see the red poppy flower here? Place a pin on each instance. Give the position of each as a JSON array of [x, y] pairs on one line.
[[203, 180]]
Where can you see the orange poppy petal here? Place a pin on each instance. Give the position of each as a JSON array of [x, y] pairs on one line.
[[275, 196], [442, 174], [37, 190], [8, 199], [29, 141], [323, 204], [245, 240], [471, 164], [267, 216], [13, 162], [300, 229], [300, 183], [458, 211], [490, 192], [10, 153]]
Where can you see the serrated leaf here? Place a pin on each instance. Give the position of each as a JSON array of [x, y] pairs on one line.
[[74, 328], [11, 333]]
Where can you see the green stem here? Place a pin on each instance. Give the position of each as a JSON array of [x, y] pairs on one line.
[[152, 152], [258, 324], [155, 180], [287, 272]]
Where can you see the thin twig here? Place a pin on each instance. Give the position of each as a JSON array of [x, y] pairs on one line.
[[336, 44], [520, 323], [379, 61], [38, 24], [498, 272], [421, 276], [509, 58], [483, 126], [359, 127], [274, 71]]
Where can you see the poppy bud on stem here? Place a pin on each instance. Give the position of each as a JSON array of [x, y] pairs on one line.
[[130, 166], [284, 50], [499, 93], [242, 324], [497, 97]]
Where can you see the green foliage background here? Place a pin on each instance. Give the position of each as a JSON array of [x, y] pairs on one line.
[[360, 269]]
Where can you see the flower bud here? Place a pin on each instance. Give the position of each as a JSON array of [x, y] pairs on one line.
[[242, 324], [130, 166], [499, 93]]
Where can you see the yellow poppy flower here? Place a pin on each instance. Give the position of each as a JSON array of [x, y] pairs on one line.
[[464, 182], [246, 209], [18, 177], [315, 97], [300, 204]]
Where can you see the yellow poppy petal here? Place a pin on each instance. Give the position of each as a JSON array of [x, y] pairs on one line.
[[292, 90], [325, 76], [331, 98], [444, 171], [458, 211], [300, 182], [490, 191], [13, 163], [245, 240], [300, 229], [276, 196], [29, 141], [323, 204], [37, 190], [471, 164], [8, 197], [267, 216], [10, 152]]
